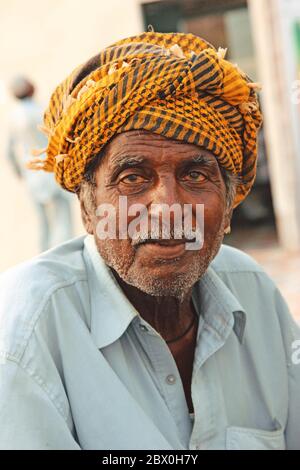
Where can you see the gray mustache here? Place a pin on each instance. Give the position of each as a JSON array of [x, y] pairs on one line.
[[165, 233]]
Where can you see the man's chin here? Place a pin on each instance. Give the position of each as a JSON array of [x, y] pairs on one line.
[[159, 275], [167, 282], [159, 288]]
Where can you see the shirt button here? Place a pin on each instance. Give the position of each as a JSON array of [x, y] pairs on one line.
[[171, 379]]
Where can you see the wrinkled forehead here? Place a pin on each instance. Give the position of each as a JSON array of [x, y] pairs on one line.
[[139, 145]]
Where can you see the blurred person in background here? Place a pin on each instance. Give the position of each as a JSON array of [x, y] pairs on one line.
[[52, 205]]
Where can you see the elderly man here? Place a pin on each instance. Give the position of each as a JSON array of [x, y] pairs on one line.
[[140, 342]]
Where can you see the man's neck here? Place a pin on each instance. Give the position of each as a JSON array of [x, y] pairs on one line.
[[169, 316]]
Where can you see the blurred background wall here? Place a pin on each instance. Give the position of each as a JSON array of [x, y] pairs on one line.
[[45, 40]]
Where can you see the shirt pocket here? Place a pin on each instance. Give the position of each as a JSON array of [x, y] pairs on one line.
[[238, 438]]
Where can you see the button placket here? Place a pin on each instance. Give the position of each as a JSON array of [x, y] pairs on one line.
[[171, 385]]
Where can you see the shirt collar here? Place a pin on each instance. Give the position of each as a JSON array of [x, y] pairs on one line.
[[112, 312], [220, 308]]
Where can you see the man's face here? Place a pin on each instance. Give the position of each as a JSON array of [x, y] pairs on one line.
[[150, 169]]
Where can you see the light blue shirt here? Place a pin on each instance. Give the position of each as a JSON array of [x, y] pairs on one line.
[[80, 368]]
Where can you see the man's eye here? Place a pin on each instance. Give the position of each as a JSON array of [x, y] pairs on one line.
[[194, 176], [133, 178]]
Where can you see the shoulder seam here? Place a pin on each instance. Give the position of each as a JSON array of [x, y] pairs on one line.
[[41, 384], [39, 311]]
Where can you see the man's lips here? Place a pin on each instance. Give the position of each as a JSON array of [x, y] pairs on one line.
[[163, 248]]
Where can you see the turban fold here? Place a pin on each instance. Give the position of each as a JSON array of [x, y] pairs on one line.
[[176, 85]]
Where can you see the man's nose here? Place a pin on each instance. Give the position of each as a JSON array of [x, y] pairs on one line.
[[166, 203], [166, 191]]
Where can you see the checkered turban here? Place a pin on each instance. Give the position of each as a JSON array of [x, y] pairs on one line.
[[176, 85]]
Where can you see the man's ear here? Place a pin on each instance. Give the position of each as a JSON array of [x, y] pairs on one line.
[[228, 217], [85, 216]]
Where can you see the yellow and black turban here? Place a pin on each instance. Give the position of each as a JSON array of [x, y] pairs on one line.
[[176, 85]]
